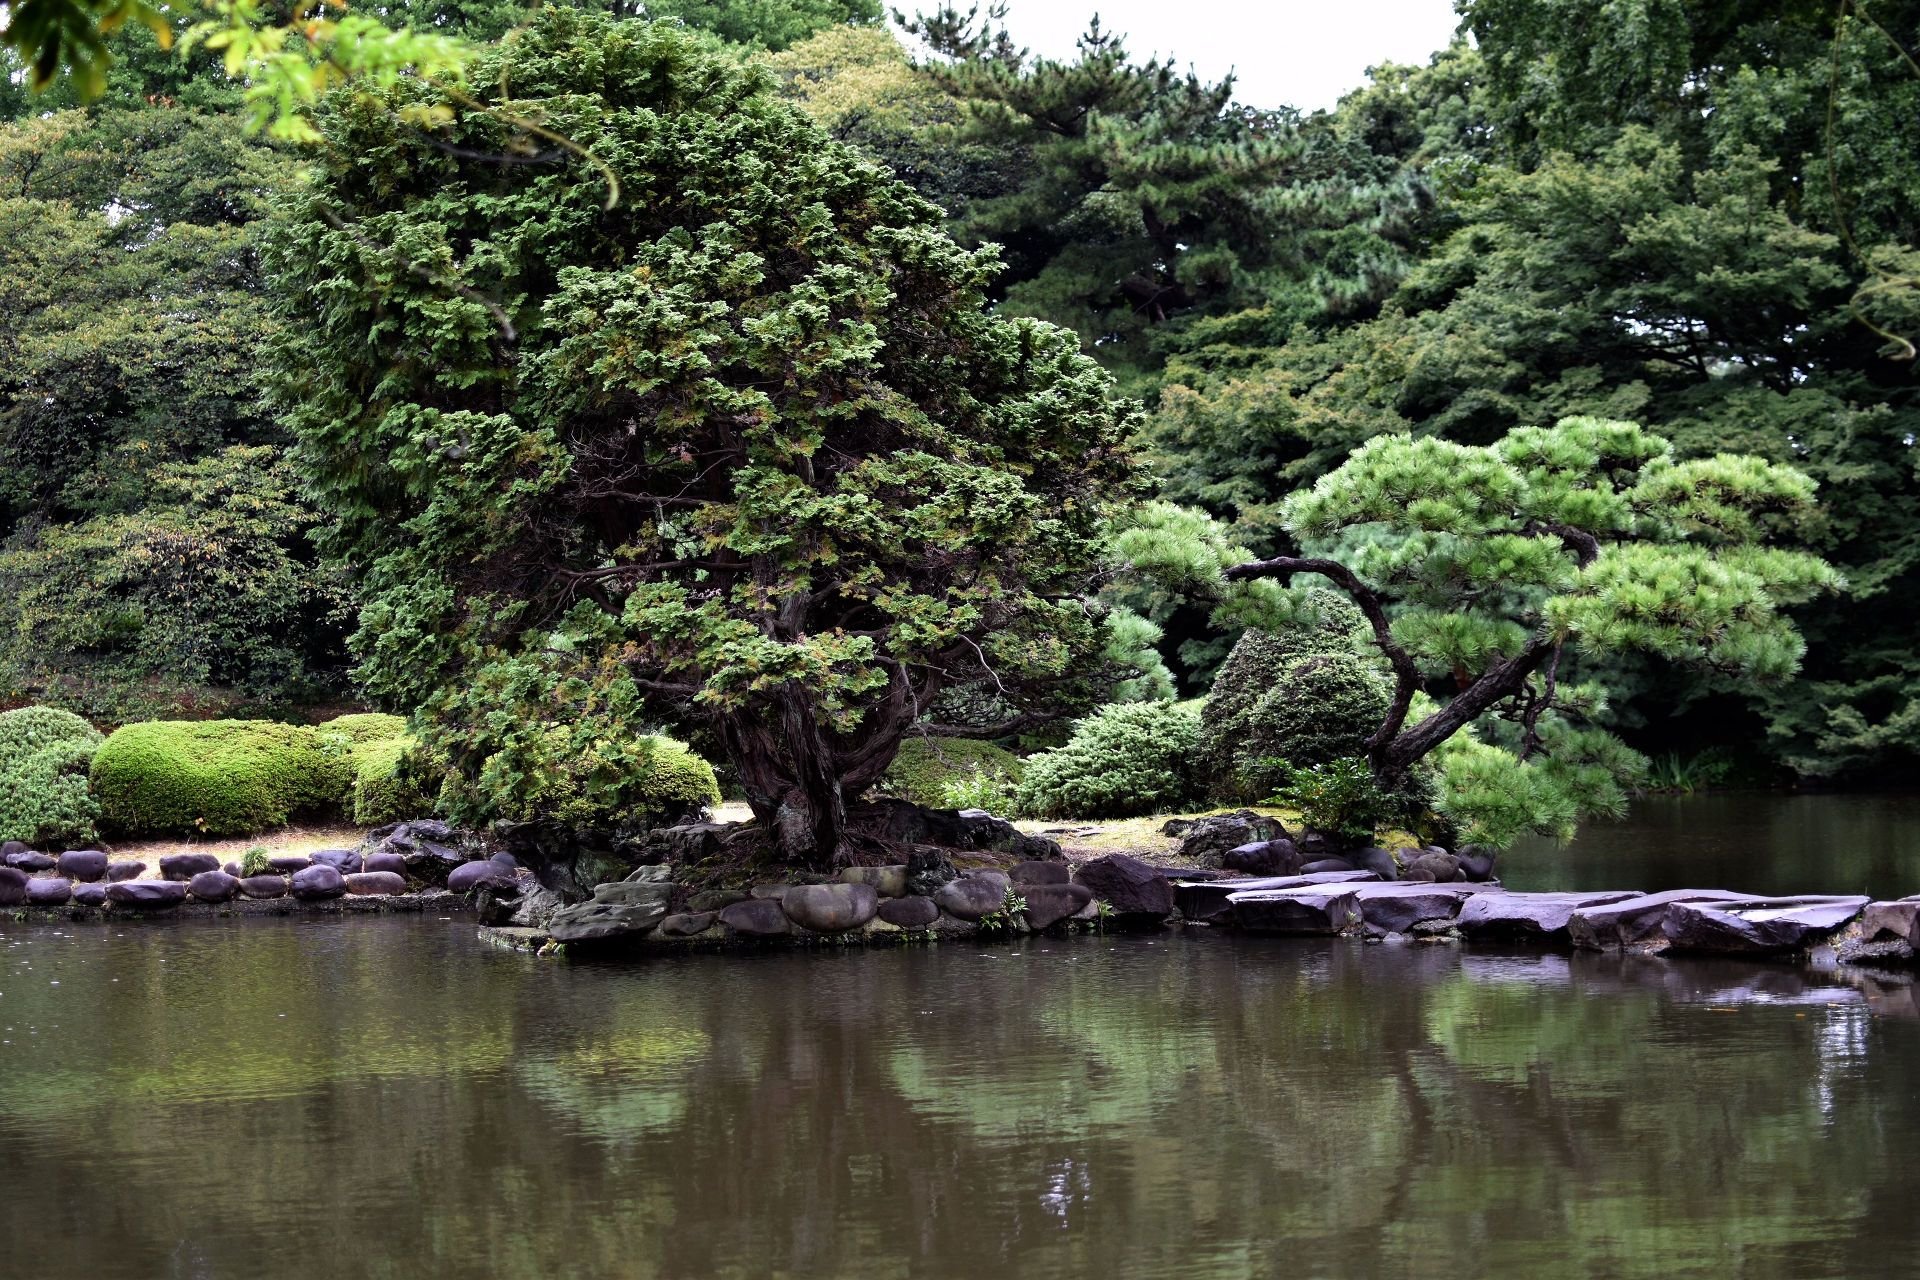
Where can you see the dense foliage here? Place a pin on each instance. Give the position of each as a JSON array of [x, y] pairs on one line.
[[1258, 664], [742, 450], [954, 773], [44, 755], [214, 777], [1130, 758]]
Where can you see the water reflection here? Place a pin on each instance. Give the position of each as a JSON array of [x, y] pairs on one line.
[[385, 1099]]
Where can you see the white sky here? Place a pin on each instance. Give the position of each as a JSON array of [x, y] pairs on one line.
[[1302, 53]]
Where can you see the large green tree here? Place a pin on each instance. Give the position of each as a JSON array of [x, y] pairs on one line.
[[709, 425], [1693, 216]]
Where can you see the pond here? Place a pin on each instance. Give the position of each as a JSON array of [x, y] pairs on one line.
[[391, 1098], [1754, 842]]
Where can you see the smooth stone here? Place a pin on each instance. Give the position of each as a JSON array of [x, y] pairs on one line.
[[1206, 840], [832, 908], [264, 886], [288, 863], [368, 884], [756, 918], [1476, 861], [628, 893], [1528, 916], [1438, 868], [469, 876], [126, 870], [1896, 919], [888, 881], [1379, 861], [83, 864], [318, 881], [1135, 891], [604, 921], [90, 893], [233, 869], [1635, 921], [909, 913], [1030, 873], [970, 897], [771, 892], [999, 879], [1277, 857], [1757, 926], [30, 862], [185, 866], [345, 861], [1326, 866], [653, 873], [505, 859], [1399, 906], [49, 891], [10, 847], [715, 899], [13, 886], [688, 924], [214, 886], [1325, 908], [152, 894], [387, 862], [1207, 900], [1049, 904]]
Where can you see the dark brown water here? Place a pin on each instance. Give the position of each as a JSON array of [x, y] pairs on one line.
[[1754, 842], [388, 1098]]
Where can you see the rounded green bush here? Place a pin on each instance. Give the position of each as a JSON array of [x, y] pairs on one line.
[[220, 777], [941, 772], [566, 779], [386, 784], [1120, 761], [1322, 708], [365, 726], [44, 754]]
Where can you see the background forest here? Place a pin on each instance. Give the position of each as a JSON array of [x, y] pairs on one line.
[[1694, 216]]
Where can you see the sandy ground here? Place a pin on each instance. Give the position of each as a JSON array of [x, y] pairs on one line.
[[286, 840]]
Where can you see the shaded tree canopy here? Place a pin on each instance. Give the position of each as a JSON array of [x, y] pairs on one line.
[[743, 446]]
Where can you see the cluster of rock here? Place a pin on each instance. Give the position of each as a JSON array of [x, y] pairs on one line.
[[1257, 844], [87, 879]]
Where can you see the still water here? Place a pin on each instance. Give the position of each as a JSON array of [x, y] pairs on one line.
[[389, 1098], [1753, 842]]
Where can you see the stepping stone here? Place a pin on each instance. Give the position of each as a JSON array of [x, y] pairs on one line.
[[1322, 908], [469, 876], [264, 886], [126, 870], [1634, 921], [90, 893], [49, 891], [317, 882], [1207, 900], [368, 884], [1049, 904], [13, 886], [345, 861], [288, 863], [30, 862], [888, 882], [1529, 917], [1757, 926], [971, 897], [687, 924], [605, 921], [1398, 907]]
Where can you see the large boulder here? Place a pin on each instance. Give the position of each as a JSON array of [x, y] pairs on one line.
[[1633, 922], [345, 861], [688, 924], [126, 870], [13, 886], [214, 886], [185, 866], [318, 882], [147, 895], [1279, 857], [287, 863], [971, 897], [901, 822], [1049, 904], [831, 908], [49, 891], [30, 862], [1139, 894], [1757, 926], [369, 884], [909, 913], [1207, 901], [1207, 839], [1322, 908], [388, 862], [636, 893], [1377, 860], [85, 865], [1029, 873], [90, 893], [1531, 917], [1432, 867], [888, 882], [536, 908], [605, 921], [264, 887], [1476, 861], [756, 918]]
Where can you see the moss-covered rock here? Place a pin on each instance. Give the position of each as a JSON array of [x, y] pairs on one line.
[[954, 773], [1121, 760], [44, 756], [220, 777]]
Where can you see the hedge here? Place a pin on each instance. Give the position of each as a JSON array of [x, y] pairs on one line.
[[218, 777], [44, 754]]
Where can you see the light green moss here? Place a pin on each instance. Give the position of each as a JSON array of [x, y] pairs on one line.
[[939, 772], [44, 755]]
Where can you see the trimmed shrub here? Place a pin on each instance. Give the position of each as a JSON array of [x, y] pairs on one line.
[[1122, 760], [220, 777], [386, 782], [954, 773], [1259, 663], [365, 726], [1322, 709], [565, 779], [44, 754]]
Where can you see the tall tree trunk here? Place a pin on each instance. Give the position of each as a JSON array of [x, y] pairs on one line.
[[791, 776]]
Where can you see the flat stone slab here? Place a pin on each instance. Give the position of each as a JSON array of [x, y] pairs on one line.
[[600, 921], [1634, 922], [1325, 908], [1532, 917], [1757, 926], [1896, 918], [1397, 907], [1206, 900]]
